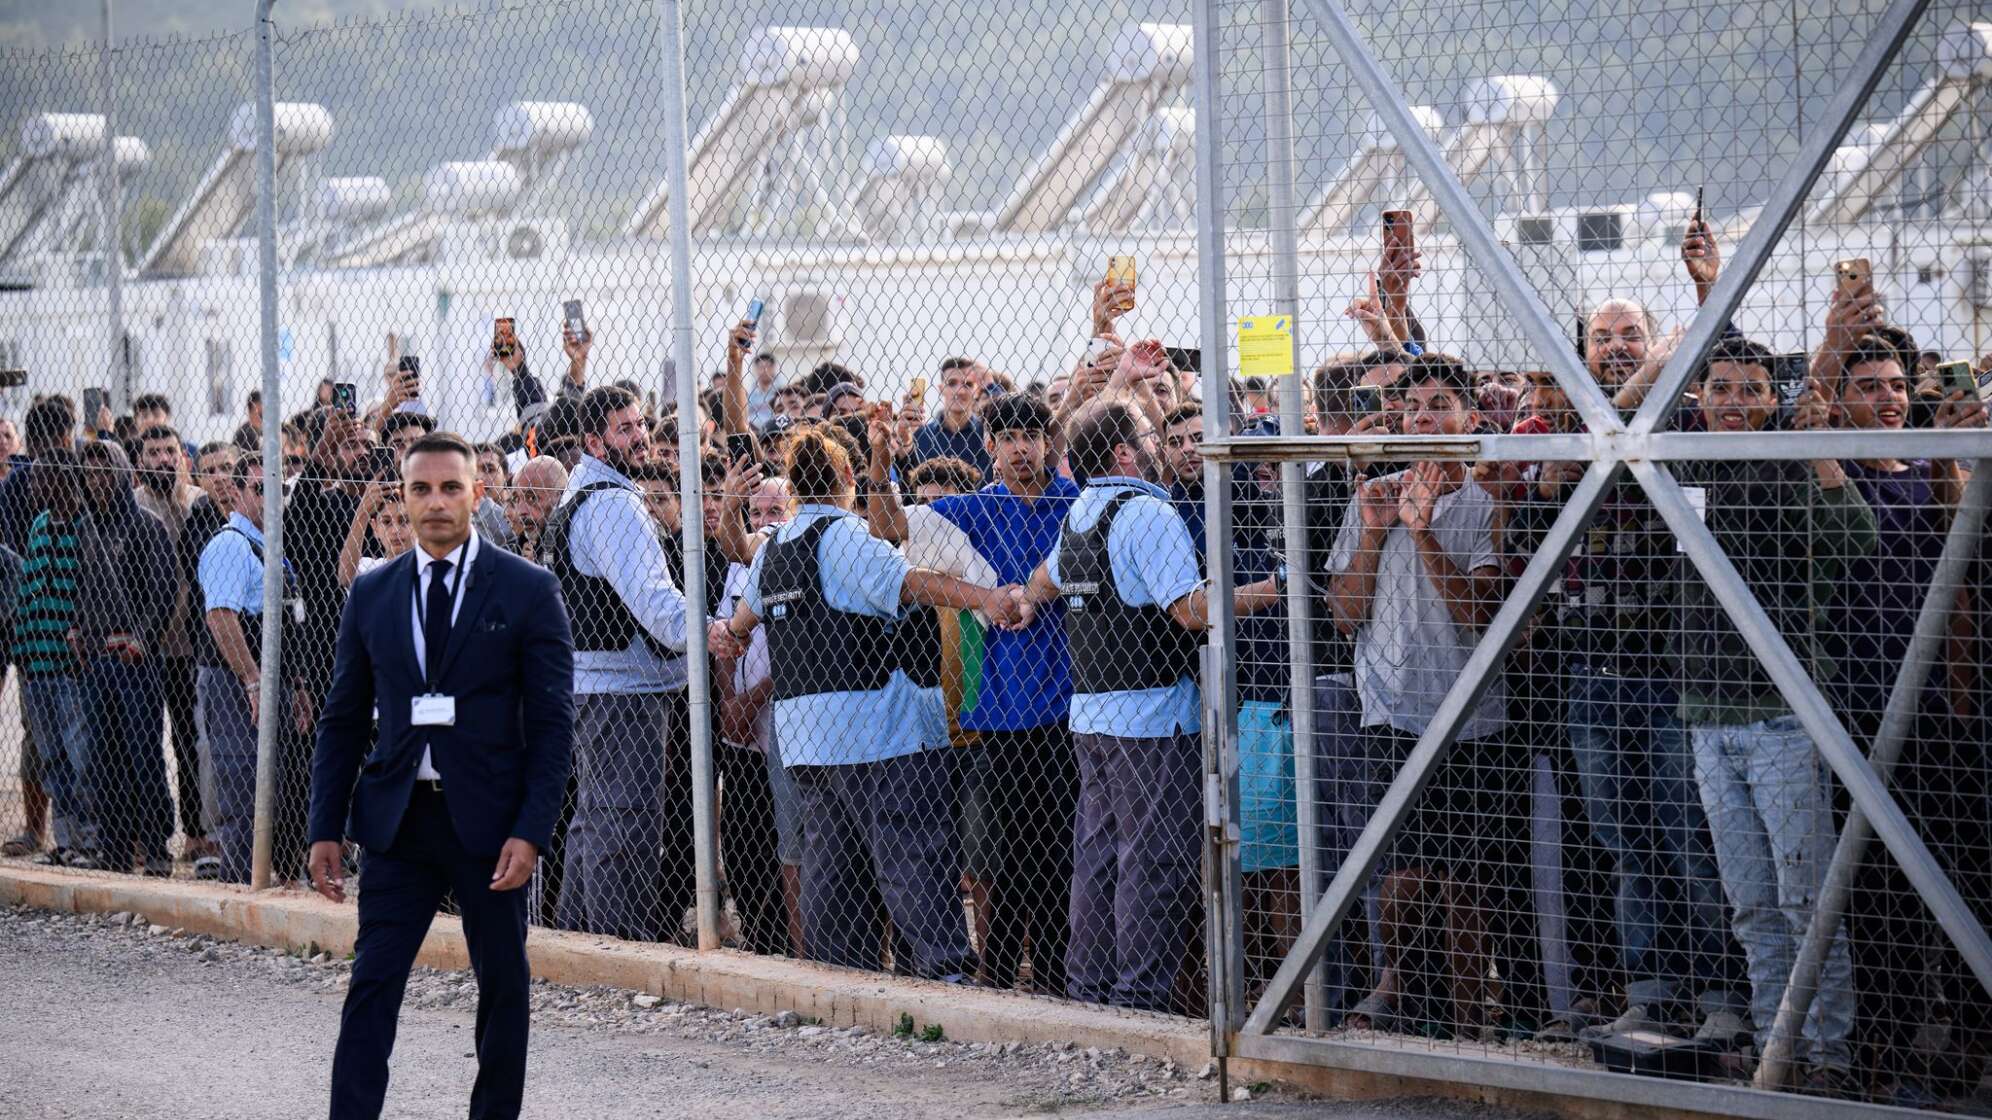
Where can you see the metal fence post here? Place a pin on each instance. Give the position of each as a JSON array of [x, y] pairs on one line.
[[705, 838], [270, 717], [1227, 922], [119, 376], [1837, 890], [1276, 25]]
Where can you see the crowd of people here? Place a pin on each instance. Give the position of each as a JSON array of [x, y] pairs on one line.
[[955, 684]]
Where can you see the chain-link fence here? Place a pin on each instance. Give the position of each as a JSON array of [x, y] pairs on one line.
[[1603, 660], [881, 463]]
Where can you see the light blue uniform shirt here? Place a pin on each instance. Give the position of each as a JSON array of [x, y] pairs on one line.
[[861, 575], [231, 577], [1154, 564], [614, 537]]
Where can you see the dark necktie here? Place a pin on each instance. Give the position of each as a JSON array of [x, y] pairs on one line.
[[436, 620]]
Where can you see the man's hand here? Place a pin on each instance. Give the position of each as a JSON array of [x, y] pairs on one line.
[[1555, 476], [1399, 265], [253, 689], [1701, 255], [340, 427], [515, 865], [1419, 498], [1368, 313], [1376, 423], [1960, 410], [1142, 362], [301, 712], [1501, 480], [722, 641], [1378, 502], [1811, 412], [1003, 607], [328, 869], [576, 347], [1107, 297], [740, 343], [404, 385], [742, 476], [881, 437], [1848, 317]]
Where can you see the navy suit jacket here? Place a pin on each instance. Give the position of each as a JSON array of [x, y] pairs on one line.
[[510, 666]]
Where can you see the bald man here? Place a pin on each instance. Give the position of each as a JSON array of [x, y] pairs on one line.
[[535, 490]]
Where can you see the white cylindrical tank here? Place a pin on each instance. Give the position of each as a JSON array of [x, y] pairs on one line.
[[77, 135], [471, 187], [353, 199], [1512, 99], [914, 159], [809, 56], [1378, 135], [542, 126], [301, 128], [1146, 52]]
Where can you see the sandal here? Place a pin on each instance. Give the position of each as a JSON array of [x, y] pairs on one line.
[[23, 844], [1376, 1012]]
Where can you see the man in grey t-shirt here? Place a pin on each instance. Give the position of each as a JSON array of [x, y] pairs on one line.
[[1413, 578]]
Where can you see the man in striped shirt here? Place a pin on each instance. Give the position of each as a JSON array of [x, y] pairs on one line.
[[45, 649]]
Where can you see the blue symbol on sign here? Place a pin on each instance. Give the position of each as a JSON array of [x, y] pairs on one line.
[[286, 344]]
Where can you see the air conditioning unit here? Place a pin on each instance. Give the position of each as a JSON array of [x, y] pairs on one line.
[[534, 239], [812, 319]]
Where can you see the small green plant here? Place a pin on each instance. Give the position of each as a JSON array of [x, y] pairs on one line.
[[905, 1027], [932, 1033]]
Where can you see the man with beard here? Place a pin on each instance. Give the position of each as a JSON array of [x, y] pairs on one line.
[[1634, 764], [534, 491], [165, 492], [1135, 611], [126, 595], [630, 674]]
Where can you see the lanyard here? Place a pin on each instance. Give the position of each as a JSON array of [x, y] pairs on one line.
[[421, 617]]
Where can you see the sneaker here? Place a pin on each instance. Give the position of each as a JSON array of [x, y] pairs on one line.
[[1637, 1017], [159, 867], [1724, 1028], [85, 861], [54, 857], [207, 868], [23, 844]]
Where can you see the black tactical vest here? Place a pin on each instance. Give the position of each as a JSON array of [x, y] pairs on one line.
[[812, 647], [1115, 647], [601, 620]]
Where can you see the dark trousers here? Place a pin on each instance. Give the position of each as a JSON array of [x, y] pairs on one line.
[[882, 833], [400, 891], [176, 680], [1032, 787], [1135, 867], [749, 848], [610, 876], [677, 867], [123, 707]]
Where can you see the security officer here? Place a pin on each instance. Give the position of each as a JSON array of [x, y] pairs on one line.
[[1134, 611], [229, 683], [866, 744]]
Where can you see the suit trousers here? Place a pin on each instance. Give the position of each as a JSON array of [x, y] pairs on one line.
[[401, 889]]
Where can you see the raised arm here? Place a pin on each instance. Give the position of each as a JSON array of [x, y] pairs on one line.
[[733, 391]]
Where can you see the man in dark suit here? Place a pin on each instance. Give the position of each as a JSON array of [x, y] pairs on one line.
[[461, 793]]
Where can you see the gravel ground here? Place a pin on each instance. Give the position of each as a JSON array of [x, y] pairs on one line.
[[106, 1017]]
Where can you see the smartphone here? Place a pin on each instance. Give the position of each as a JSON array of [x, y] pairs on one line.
[[570, 316], [1957, 377], [346, 397], [1698, 205], [1097, 349], [739, 445], [1366, 400], [504, 340], [917, 393], [1856, 277], [1120, 273], [754, 309], [13, 378], [1397, 232], [94, 403]]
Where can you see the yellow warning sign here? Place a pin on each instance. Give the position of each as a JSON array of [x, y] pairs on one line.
[[1265, 346]]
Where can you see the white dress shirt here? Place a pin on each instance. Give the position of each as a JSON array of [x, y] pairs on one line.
[[425, 570]]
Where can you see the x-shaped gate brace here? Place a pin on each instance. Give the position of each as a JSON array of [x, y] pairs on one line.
[[1612, 445]]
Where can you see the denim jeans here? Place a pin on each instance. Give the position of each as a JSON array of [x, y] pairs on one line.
[[1636, 772], [62, 736], [1771, 812]]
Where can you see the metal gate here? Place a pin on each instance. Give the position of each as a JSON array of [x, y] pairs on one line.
[[1258, 145]]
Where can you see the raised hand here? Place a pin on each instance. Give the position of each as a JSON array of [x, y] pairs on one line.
[[1701, 254], [1378, 501]]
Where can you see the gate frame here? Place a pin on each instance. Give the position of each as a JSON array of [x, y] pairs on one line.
[[1609, 445]]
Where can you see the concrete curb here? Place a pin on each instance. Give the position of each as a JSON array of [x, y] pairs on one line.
[[293, 920]]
